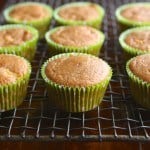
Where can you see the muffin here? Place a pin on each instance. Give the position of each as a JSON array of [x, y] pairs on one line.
[[135, 41], [79, 38], [76, 82], [138, 69], [18, 39], [134, 14], [14, 76], [35, 14], [80, 13]]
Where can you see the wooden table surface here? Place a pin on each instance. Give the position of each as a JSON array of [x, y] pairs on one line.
[[72, 145]]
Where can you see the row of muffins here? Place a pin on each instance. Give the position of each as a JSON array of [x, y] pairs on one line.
[[66, 69], [34, 14], [74, 97], [23, 13], [80, 13], [135, 43], [39, 15]]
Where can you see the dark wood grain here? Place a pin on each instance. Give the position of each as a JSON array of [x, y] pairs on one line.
[[1, 4], [73, 145]]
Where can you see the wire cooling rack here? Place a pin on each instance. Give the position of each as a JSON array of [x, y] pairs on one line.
[[117, 118]]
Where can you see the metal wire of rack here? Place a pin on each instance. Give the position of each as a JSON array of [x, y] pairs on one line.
[[117, 118]]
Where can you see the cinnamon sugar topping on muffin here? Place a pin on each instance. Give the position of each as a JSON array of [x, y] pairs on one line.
[[140, 66], [11, 68], [12, 37], [137, 13], [139, 40], [77, 70], [29, 12], [79, 13], [77, 36]]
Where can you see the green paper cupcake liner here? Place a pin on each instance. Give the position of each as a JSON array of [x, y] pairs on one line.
[[26, 49], [42, 25], [96, 23], [74, 99], [140, 89], [56, 48], [128, 50], [127, 22], [13, 94]]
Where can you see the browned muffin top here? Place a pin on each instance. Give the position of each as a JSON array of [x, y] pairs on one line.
[[139, 40], [137, 13], [77, 70], [79, 13], [11, 68], [7, 76], [29, 12], [77, 36], [12, 37], [140, 66]]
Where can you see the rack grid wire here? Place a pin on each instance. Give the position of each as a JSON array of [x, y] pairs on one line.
[[117, 118]]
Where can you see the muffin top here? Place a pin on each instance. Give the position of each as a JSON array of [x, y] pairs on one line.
[[11, 68], [139, 40], [77, 70], [140, 66], [15, 36], [29, 12], [140, 13], [80, 12], [77, 36]]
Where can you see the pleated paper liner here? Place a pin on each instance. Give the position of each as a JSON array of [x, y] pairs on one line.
[[140, 89], [75, 99], [42, 25], [27, 49], [13, 94], [96, 23], [56, 48]]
